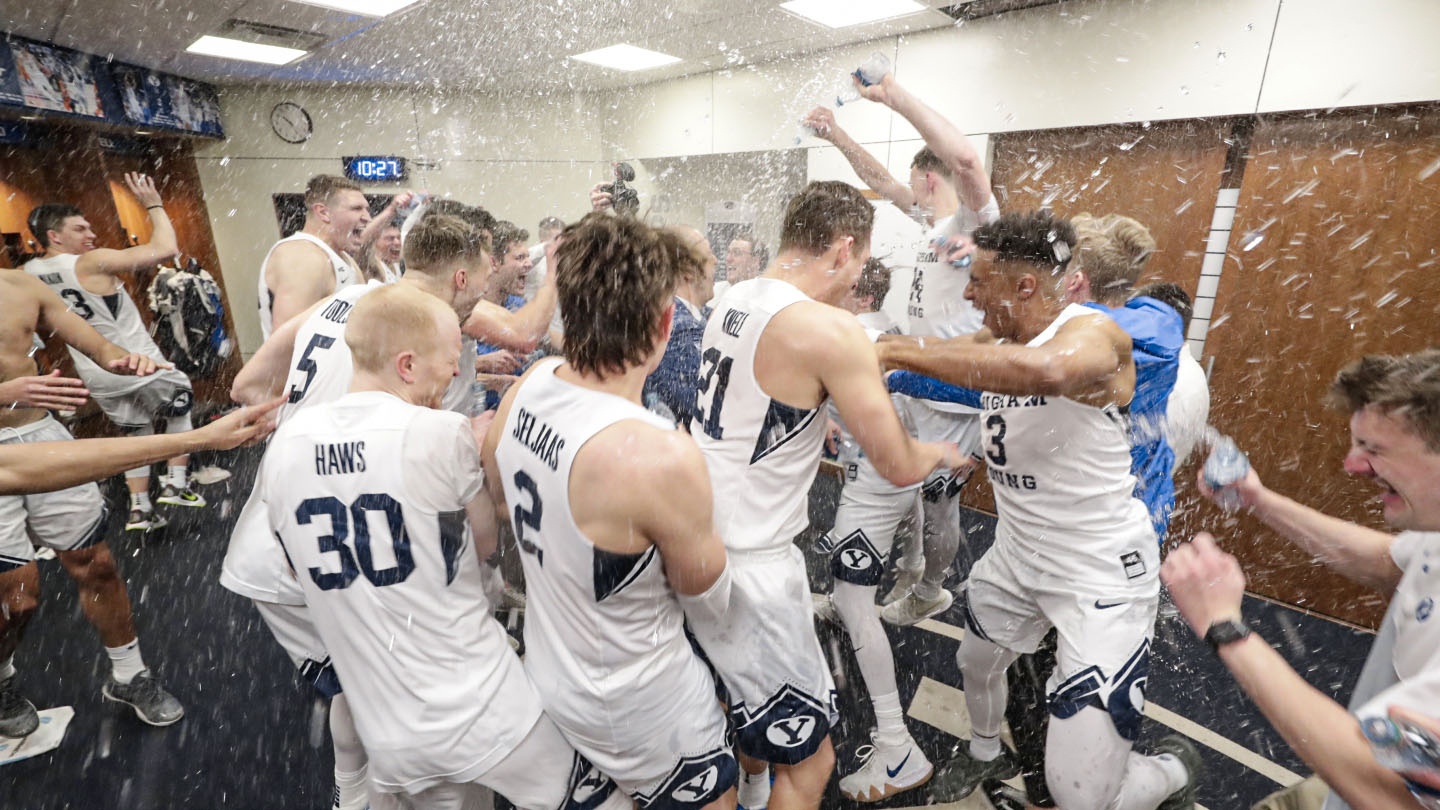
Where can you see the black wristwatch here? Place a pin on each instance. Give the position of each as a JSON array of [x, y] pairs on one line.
[[1226, 631]]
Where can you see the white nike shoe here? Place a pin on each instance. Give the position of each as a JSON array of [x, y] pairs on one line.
[[886, 770], [911, 609], [825, 608], [209, 475], [905, 580]]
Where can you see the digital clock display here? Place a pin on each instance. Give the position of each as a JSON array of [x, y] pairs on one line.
[[375, 168]]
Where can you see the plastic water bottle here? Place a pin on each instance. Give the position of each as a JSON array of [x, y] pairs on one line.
[[1401, 746], [1224, 467], [870, 72], [477, 398], [804, 131]]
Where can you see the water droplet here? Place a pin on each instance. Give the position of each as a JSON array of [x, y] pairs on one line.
[[1184, 90], [1250, 240], [1249, 26], [1219, 57]]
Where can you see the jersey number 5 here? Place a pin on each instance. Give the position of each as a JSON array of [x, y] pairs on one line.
[[340, 525], [717, 372], [307, 365]]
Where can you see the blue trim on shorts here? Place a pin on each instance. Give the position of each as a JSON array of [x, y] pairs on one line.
[[787, 729], [587, 788], [321, 675], [972, 622], [694, 782], [1122, 696], [8, 563], [96, 535]]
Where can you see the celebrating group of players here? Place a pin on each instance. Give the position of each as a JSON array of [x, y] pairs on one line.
[[671, 657]]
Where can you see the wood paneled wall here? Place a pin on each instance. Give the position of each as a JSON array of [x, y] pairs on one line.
[[72, 168], [1347, 205]]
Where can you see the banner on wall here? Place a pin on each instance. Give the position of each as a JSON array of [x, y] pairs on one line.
[[156, 99], [37, 75]]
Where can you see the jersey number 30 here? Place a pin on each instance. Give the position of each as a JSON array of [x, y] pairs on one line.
[[342, 520]]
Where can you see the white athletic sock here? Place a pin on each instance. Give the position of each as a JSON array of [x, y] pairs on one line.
[[1176, 774], [351, 788], [176, 476], [141, 501], [889, 720], [7, 669], [754, 790], [984, 748], [125, 661]]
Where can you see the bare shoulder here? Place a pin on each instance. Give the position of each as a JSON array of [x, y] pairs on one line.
[[813, 330], [20, 286], [1099, 325], [299, 254], [647, 458]]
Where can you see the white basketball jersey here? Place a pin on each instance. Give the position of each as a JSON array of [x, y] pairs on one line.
[[762, 454], [1063, 488], [460, 394], [120, 325], [599, 626], [367, 496], [320, 364], [937, 305], [345, 275]]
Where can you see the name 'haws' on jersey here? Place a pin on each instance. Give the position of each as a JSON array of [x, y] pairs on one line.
[[1061, 468], [764, 451]]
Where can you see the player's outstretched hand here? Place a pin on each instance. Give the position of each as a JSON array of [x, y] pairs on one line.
[[136, 364], [1249, 488], [956, 251], [600, 199], [822, 121], [49, 391], [497, 362], [143, 187], [1205, 582], [879, 91], [243, 427], [480, 425]]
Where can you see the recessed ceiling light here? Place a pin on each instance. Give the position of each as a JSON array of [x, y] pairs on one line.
[[369, 8], [626, 57], [842, 13], [247, 51]]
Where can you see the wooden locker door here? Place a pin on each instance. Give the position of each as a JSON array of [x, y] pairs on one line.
[[1344, 208]]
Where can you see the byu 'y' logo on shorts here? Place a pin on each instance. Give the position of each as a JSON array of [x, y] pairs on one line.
[[789, 732], [855, 559], [698, 786], [586, 788]]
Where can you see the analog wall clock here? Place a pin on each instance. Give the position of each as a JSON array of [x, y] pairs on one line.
[[291, 123]]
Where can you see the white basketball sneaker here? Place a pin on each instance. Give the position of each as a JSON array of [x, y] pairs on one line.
[[886, 770]]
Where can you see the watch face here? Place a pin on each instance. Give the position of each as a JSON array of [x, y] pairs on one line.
[[291, 123]]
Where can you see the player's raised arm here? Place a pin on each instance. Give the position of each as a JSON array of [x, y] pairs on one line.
[[849, 370], [162, 246], [521, 330], [57, 318], [869, 168]]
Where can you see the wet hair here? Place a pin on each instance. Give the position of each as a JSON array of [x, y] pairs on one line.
[[874, 282], [927, 161], [322, 188], [1112, 251], [1036, 238], [391, 320], [505, 236], [1168, 292], [689, 262], [550, 224], [615, 277], [49, 217], [823, 211], [473, 214], [1407, 386], [743, 236], [437, 243]]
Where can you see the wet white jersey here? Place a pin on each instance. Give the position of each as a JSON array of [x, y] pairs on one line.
[[460, 394], [762, 454], [320, 364], [937, 305], [603, 631], [367, 496], [1063, 488], [345, 275], [114, 316]]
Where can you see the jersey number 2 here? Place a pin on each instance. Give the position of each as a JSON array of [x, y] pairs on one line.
[[718, 373], [340, 526], [528, 518]]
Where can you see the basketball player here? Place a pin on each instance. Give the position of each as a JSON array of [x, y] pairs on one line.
[[612, 572], [949, 192], [379, 503], [308, 357], [89, 279], [871, 509], [70, 521], [311, 263], [1074, 548], [775, 352]]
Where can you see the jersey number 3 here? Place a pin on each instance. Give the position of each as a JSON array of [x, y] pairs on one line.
[[341, 524], [77, 303]]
